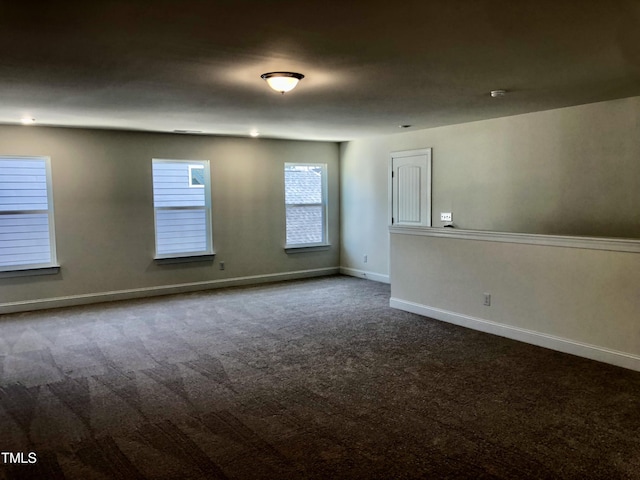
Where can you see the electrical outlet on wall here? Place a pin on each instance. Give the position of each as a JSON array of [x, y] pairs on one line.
[[365, 258], [446, 217], [487, 299]]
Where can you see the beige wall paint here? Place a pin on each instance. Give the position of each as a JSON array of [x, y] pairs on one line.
[[364, 211], [104, 208], [580, 295], [572, 171]]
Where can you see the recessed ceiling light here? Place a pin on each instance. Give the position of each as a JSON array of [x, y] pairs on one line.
[[28, 120], [498, 93], [254, 133]]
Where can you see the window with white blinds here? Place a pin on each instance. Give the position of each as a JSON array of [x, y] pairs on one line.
[[305, 204], [27, 238], [181, 199]]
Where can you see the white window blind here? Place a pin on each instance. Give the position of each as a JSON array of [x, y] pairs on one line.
[[26, 214], [181, 194], [306, 204]]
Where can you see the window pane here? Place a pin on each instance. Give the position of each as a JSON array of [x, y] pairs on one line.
[[23, 185], [182, 211], [24, 239], [181, 231], [25, 214], [305, 224], [171, 186], [303, 184], [305, 204]]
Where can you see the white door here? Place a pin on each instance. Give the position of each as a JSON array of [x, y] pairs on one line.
[[411, 188]]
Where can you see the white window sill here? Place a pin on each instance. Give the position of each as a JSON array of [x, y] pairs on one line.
[[307, 248], [29, 272], [206, 257]]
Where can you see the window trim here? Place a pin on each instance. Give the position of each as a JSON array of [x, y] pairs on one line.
[[308, 248], [30, 272], [300, 247], [180, 257], [52, 266]]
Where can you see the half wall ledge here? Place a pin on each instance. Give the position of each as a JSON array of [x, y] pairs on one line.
[[592, 243]]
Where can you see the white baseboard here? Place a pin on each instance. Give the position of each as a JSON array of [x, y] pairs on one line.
[[376, 277], [73, 300], [564, 345]]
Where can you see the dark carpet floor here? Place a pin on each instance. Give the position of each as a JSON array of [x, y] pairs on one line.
[[314, 379]]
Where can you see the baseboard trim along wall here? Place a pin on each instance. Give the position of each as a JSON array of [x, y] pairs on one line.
[[564, 345], [73, 300], [376, 277]]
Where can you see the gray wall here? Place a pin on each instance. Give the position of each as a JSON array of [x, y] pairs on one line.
[[572, 171], [576, 300], [102, 189]]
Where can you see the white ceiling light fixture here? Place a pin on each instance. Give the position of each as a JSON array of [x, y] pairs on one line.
[[28, 121], [254, 133], [498, 93], [282, 81]]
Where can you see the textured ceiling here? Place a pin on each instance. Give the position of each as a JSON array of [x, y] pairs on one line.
[[370, 65]]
